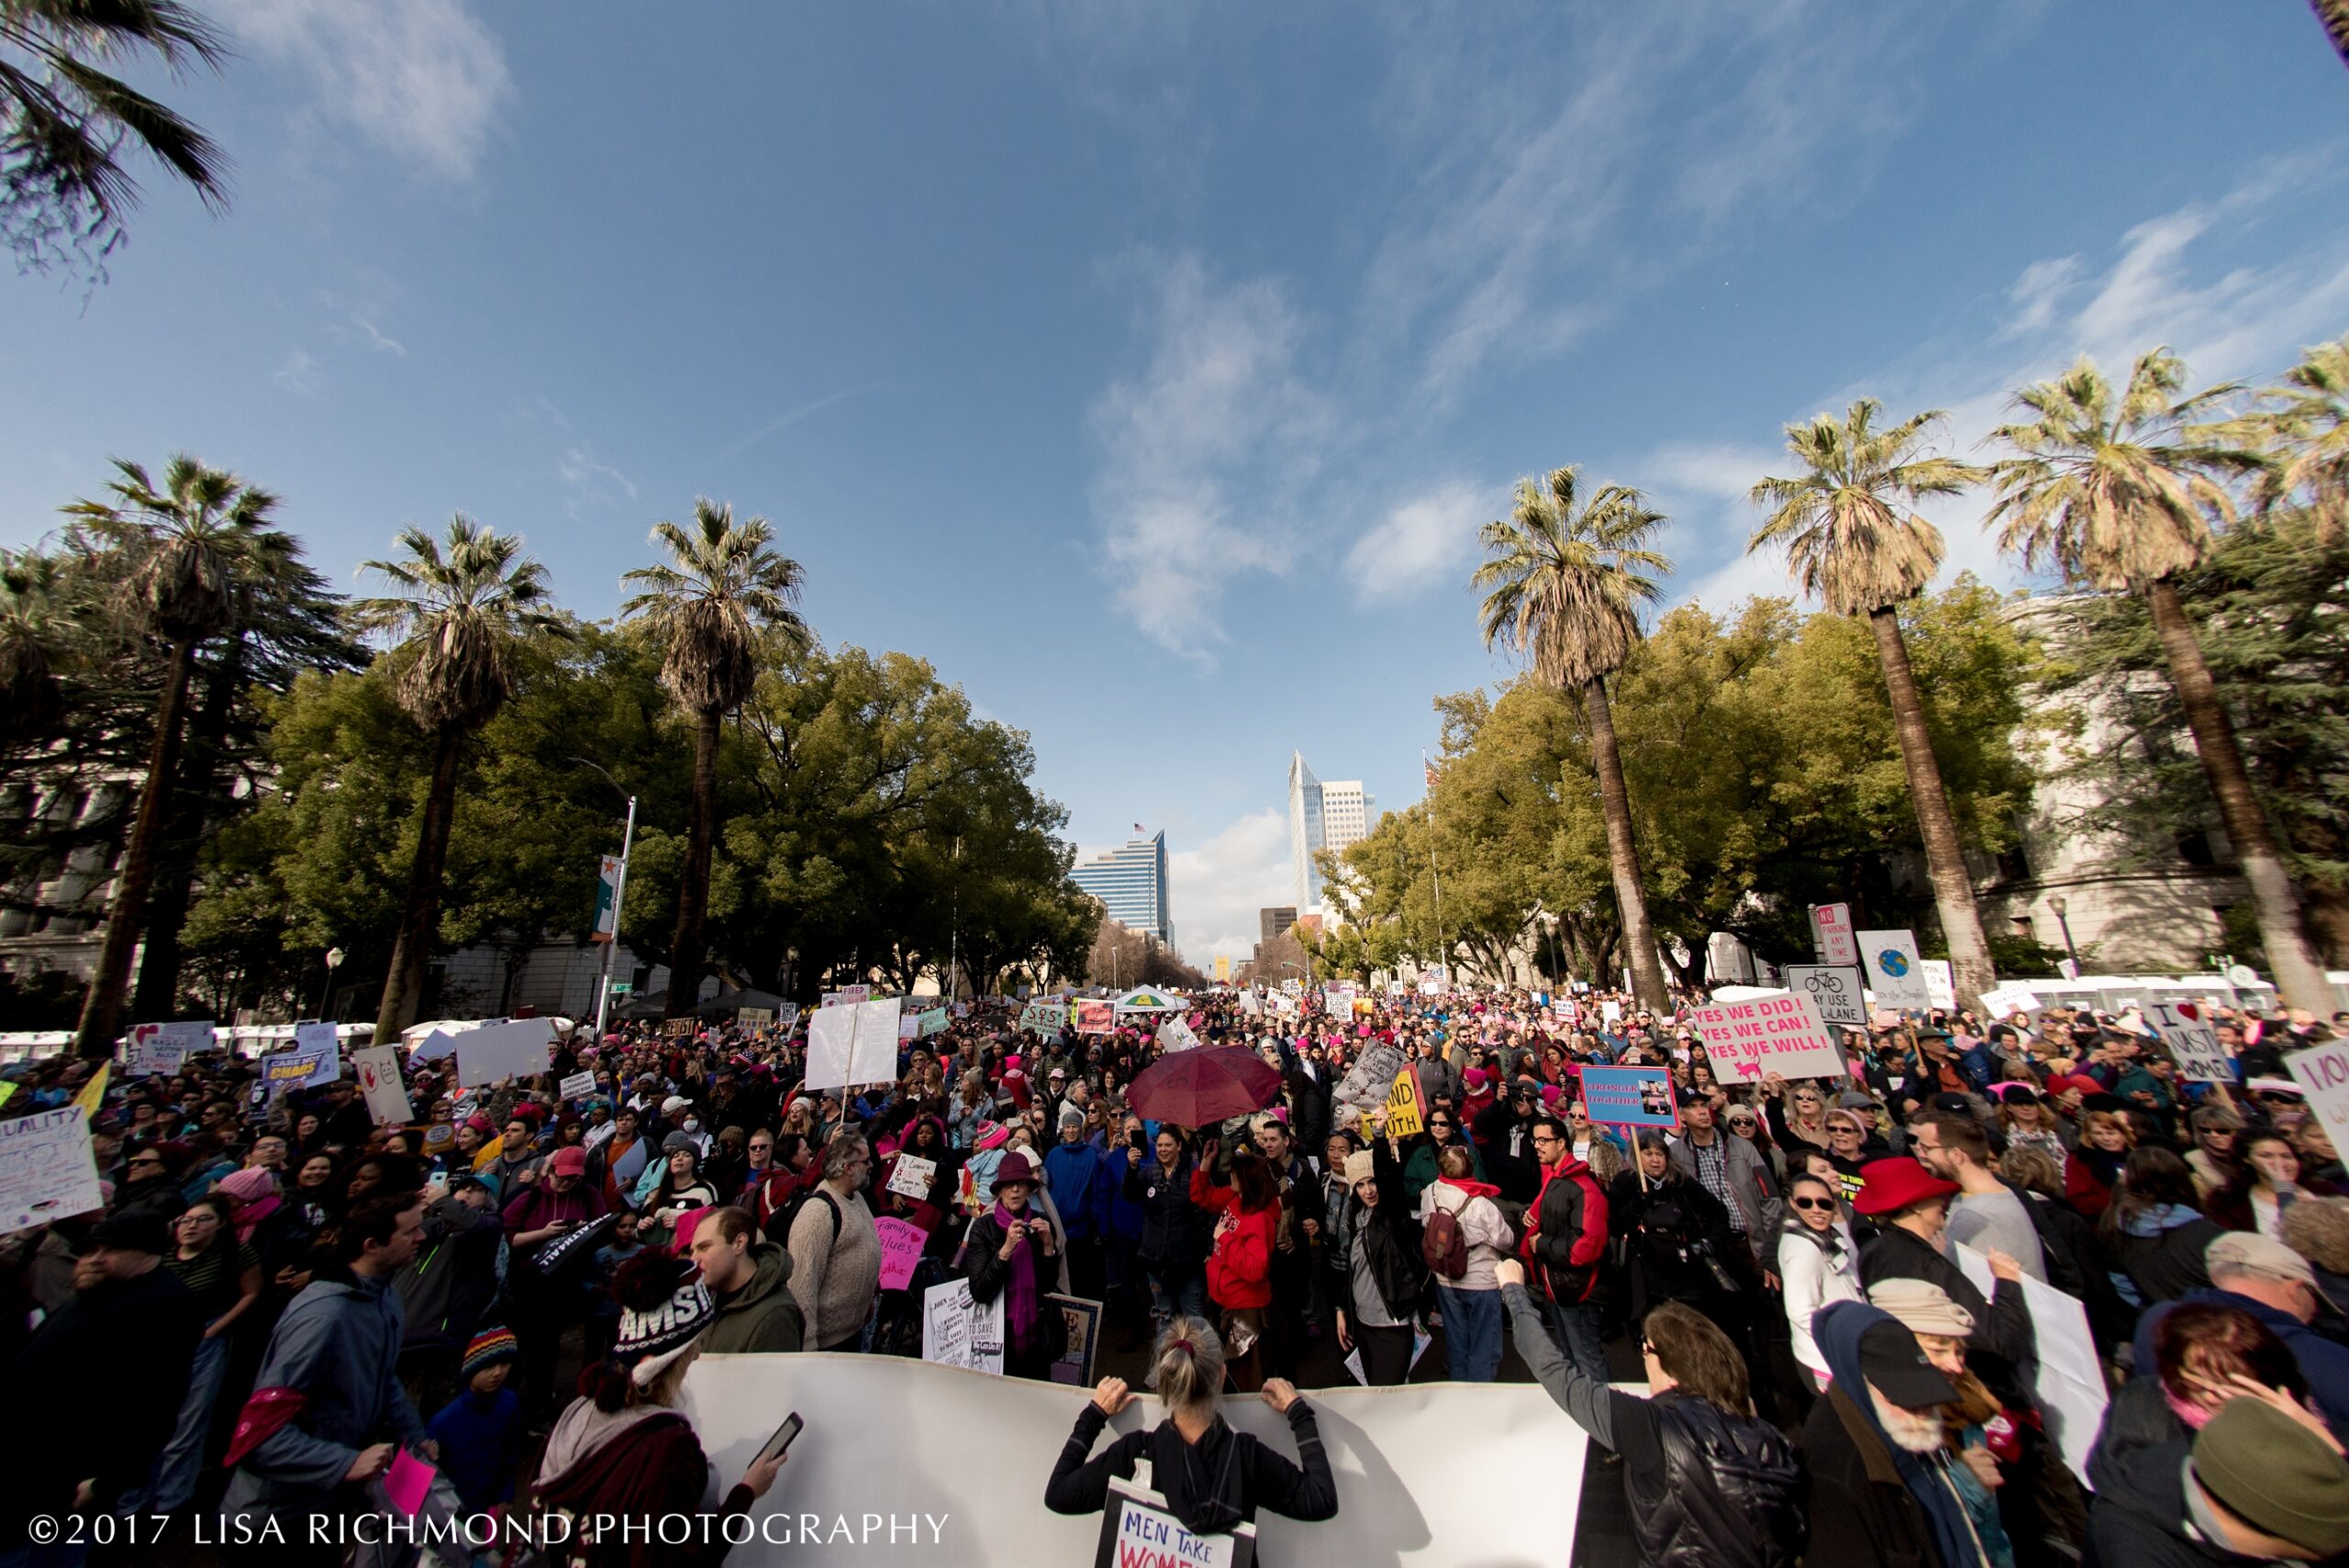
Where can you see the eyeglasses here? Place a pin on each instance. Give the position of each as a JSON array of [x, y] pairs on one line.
[[1812, 1202], [1843, 1132], [1741, 1121]]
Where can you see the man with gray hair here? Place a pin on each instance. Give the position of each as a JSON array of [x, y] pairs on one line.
[[2275, 1284]]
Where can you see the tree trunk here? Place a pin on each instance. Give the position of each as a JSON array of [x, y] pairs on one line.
[[2298, 977], [420, 910], [692, 891], [157, 993], [1969, 950], [1623, 853], [126, 915]]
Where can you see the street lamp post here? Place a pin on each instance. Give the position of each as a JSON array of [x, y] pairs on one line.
[[2058, 906]]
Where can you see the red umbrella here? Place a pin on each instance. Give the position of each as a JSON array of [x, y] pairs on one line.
[[1201, 1087]]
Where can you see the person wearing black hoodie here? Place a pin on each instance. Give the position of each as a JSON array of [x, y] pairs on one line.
[[1212, 1477]]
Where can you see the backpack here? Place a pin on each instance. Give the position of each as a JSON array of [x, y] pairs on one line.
[[1443, 1245], [779, 1223]]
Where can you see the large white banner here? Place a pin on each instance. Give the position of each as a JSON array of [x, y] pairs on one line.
[[501, 1051], [1415, 1466]]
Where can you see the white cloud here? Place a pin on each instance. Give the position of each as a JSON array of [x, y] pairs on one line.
[[299, 375], [592, 481], [2033, 297], [1202, 453], [1415, 546], [1216, 889], [421, 79]]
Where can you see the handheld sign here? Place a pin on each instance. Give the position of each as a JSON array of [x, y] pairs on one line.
[[912, 1175], [1631, 1097], [379, 1079], [1895, 969], [1404, 1115], [48, 1170], [1835, 988], [2186, 1028], [1782, 1034], [1138, 1530]]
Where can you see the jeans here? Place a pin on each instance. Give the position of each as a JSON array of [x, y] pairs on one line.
[[1184, 1291], [1576, 1328], [1471, 1333], [182, 1462]]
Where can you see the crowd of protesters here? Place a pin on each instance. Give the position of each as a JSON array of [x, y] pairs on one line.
[[280, 1294]]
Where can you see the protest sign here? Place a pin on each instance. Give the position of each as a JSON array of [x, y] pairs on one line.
[[289, 1070], [2323, 1072], [933, 1021], [1404, 1115], [1094, 1016], [433, 1047], [47, 1169], [2070, 1379], [1139, 1530], [1084, 1320], [908, 1026], [1631, 1097], [1042, 1017], [1781, 1034], [853, 1043], [912, 1175], [754, 1017], [1941, 983], [680, 1029], [1610, 1013], [956, 1331], [499, 1052], [847, 996], [577, 1087], [901, 1245], [322, 1037], [2186, 1029], [378, 1070], [1176, 1035], [1895, 969], [163, 1048], [1837, 991], [2005, 1001], [1830, 929]]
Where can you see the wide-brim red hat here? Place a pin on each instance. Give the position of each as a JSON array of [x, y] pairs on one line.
[[1016, 1167], [1890, 1185]]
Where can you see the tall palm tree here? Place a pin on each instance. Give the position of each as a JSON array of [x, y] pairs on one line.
[[37, 635], [193, 551], [1563, 584], [2118, 493], [2308, 433], [2332, 16], [457, 610], [722, 588], [64, 123], [1853, 537]]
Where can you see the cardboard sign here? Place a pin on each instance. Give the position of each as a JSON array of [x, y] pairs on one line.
[[1631, 1097], [853, 1043], [848, 996], [1831, 925], [1074, 1366], [1781, 1034], [378, 1068], [680, 1029], [2323, 1070], [901, 1244], [754, 1017], [1094, 1016], [956, 1331], [912, 1175], [163, 1048], [932, 1020], [2186, 1029], [1405, 1116], [1176, 1035], [1895, 969], [1941, 984], [2006, 1001], [1043, 1018], [47, 1169], [499, 1052], [577, 1087], [1836, 989]]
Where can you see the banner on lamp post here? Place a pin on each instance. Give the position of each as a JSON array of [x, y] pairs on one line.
[[608, 899]]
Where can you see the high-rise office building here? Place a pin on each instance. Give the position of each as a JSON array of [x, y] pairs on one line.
[[1130, 882], [1275, 922], [1320, 816]]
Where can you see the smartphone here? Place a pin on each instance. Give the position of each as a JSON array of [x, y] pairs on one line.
[[780, 1444]]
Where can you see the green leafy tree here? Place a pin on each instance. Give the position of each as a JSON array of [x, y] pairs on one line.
[[1849, 526], [723, 588], [65, 123], [456, 612], [2306, 431], [2119, 492], [195, 549], [1565, 581]]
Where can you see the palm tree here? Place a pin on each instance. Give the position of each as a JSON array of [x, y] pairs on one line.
[[2308, 433], [37, 635], [723, 586], [1564, 584], [64, 123], [193, 551], [2119, 495], [2332, 16], [1853, 537], [457, 612]]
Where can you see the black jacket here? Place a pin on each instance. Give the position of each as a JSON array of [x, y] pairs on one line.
[[2165, 1266], [1509, 1160], [1309, 1106], [1174, 1230], [1729, 1492], [2002, 1349], [106, 1373], [1210, 1486], [990, 1275]]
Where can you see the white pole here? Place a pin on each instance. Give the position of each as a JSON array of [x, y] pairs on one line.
[[619, 896]]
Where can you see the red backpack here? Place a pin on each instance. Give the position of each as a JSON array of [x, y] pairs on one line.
[[1443, 1245]]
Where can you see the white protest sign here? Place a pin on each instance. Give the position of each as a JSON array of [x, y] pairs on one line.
[[847, 996], [1782, 1033], [578, 1085], [163, 1048], [323, 1038], [46, 1170], [2069, 1380], [1147, 1535], [908, 1026], [1176, 1035], [434, 1045], [2186, 1029], [1610, 1012], [956, 1331], [874, 1059], [1941, 983], [1894, 971], [1832, 924], [2323, 1072], [2005, 1001], [853, 1042], [912, 1175], [499, 1052], [1835, 988], [379, 1080]]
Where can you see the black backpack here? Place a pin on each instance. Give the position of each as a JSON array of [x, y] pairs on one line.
[[779, 1223]]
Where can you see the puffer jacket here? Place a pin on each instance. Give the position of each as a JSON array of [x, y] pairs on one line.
[[1566, 1232], [1731, 1492]]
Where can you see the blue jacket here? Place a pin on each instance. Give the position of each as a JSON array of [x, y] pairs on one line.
[[1120, 1217], [1071, 1176], [2322, 1361], [338, 1345], [481, 1445]]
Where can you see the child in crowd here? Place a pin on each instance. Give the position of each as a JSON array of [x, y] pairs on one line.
[[480, 1431]]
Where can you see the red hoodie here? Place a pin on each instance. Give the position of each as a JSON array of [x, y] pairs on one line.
[[1565, 1231], [1240, 1270]]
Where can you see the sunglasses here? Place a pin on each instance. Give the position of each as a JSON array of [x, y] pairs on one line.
[[1741, 1121], [1812, 1202]]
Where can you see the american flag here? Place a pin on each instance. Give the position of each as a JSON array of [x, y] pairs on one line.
[[1138, 830]]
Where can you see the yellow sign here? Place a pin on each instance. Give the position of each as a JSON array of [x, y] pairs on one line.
[[93, 1093], [1403, 1117], [1223, 966]]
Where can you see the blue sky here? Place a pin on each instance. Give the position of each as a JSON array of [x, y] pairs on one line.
[[1149, 368]]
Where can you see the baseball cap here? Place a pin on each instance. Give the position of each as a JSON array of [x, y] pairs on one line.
[[568, 1161], [1894, 1365], [2249, 1253]]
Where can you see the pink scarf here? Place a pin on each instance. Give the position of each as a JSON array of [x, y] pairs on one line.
[[1019, 1297]]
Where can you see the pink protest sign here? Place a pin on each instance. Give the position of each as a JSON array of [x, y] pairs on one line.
[[901, 1245], [407, 1481], [1782, 1034]]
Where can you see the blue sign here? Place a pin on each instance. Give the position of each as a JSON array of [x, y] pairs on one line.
[[1631, 1097]]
